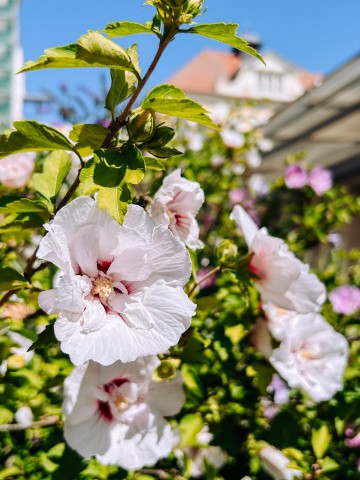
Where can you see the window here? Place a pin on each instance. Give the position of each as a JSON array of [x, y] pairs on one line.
[[270, 82]]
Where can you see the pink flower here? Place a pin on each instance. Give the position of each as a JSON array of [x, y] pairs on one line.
[[320, 180], [175, 205], [237, 195], [353, 442], [16, 170], [120, 296], [279, 276], [116, 412], [345, 299], [295, 176]]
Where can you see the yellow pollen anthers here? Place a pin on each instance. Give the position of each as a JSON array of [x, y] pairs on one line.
[[171, 215], [102, 287], [306, 354], [120, 402]]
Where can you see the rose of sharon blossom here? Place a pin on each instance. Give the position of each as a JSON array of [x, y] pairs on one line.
[[278, 319], [175, 205], [275, 464], [116, 412], [202, 453], [320, 180], [120, 296], [16, 170], [280, 277], [345, 299], [295, 176], [312, 356]]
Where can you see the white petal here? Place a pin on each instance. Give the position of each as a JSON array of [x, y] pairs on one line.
[[166, 396], [245, 223], [139, 220], [54, 246], [69, 293], [139, 449], [169, 257], [90, 437], [132, 264], [84, 250]]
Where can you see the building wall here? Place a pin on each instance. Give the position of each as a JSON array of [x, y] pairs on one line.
[[12, 87]]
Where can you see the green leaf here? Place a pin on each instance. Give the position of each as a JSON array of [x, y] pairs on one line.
[[164, 152], [192, 380], [63, 56], [22, 221], [328, 465], [10, 279], [171, 100], [135, 164], [122, 86], [154, 164], [91, 50], [189, 426], [225, 33], [56, 166], [32, 136], [121, 29], [320, 441], [109, 170], [10, 472], [26, 205], [112, 168], [97, 50], [6, 416], [114, 201], [88, 136], [45, 338]]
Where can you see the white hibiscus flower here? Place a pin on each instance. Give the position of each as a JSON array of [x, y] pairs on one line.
[[312, 356], [116, 412], [175, 205], [120, 296], [202, 453], [280, 277], [275, 463]]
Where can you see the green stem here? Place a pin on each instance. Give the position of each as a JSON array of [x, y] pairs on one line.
[[121, 119], [202, 279]]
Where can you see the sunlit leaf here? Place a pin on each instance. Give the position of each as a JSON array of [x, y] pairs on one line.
[[114, 201], [10, 279], [225, 33], [56, 166], [121, 29], [88, 136], [98, 50], [320, 441], [189, 426], [32, 136], [173, 101], [45, 338]]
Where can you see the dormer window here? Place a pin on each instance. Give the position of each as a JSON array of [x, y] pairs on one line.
[[270, 82]]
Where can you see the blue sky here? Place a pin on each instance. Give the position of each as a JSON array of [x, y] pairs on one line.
[[318, 35]]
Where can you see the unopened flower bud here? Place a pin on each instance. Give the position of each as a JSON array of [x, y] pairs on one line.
[[227, 251], [141, 125], [166, 370], [194, 7], [174, 3]]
